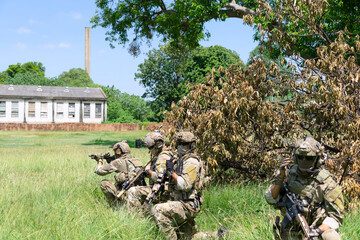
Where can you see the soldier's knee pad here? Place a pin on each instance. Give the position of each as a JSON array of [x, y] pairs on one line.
[[330, 234]]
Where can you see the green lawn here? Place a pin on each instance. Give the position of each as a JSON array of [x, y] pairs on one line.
[[49, 191]]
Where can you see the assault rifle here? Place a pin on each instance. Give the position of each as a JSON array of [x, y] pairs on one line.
[[158, 187], [294, 209], [127, 184], [98, 156]]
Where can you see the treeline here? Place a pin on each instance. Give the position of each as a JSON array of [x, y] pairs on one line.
[[122, 107], [166, 75]]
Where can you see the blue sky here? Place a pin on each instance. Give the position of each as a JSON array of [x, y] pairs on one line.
[[53, 32]]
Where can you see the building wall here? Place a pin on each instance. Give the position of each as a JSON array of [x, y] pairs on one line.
[[69, 127], [51, 111], [42, 115], [66, 111], [92, 118], [8, 112]]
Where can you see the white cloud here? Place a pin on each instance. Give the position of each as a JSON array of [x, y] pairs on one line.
[[20, 46], [33, 22], [23, 30], [64, 45], [54, 46], [48, 46], [76, 15]]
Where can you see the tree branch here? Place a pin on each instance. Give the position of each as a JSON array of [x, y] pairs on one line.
[[236, 11]]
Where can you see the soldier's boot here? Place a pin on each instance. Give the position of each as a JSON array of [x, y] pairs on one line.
[[222, 231]]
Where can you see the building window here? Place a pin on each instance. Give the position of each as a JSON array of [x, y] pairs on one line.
[[59, 110], [43, 109], [2, 108], [14, 109], [71, 110], [97, 110], [31, 110], [86, 110]]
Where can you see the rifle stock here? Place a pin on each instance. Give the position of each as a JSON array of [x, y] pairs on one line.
[[131, 182], [294, 210]]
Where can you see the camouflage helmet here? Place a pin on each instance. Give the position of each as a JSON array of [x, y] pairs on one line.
[[308, 154], [124, 147], [308, 146], [152, 138], [184, 137]]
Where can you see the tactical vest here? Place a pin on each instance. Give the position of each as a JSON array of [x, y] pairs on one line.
[[314, 191], [126, 164], [195, 193], [154, 166]]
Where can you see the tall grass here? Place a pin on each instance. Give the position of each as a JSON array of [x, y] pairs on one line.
[[49, 191]]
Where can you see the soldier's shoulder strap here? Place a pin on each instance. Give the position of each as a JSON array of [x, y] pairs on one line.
[[192, 155], [167, 152], [134, 161]]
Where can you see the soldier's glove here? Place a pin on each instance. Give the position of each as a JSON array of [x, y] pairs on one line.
[[315, 232], [106, 155], [284, 164], [126, 185], [94, 156], [169, 166]]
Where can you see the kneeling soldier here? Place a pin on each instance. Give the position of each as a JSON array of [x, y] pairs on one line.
[[124, 165], [176, 217], [319, 197], [159, 154]]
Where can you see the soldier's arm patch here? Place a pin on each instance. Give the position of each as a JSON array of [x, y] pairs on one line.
[[190, 174]]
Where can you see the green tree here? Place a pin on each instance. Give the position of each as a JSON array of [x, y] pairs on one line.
[[75, 77], [123, 107], [297, 27], [166, 72], [29, 78], [31, 67]]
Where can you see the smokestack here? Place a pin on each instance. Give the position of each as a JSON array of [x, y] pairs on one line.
[[87, 50]]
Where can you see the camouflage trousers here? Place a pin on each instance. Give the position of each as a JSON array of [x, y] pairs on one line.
[[137, 195], [287, 234], [110, 191], [177, 220]]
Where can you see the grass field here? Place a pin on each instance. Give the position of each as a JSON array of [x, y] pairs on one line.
[[49, 191]]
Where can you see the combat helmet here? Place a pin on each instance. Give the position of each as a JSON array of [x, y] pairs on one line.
[[185, 142], [307, 153], [123, 146], [184, 137], [154, 139]]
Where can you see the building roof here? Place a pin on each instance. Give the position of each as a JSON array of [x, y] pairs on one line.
[[47, 92]]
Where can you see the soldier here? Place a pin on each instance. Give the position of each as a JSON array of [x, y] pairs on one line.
[[320, 195], [125, 166], [159, 154], [176, 217]]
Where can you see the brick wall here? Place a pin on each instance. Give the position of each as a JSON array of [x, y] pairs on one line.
[[158, 126], [69, 127]]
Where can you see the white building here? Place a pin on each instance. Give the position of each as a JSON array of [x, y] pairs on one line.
[[42, 104]]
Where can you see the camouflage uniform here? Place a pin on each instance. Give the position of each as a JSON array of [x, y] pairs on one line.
[[323, 198], [125, 167], [176, 217], [155, 142], [138, 194]]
